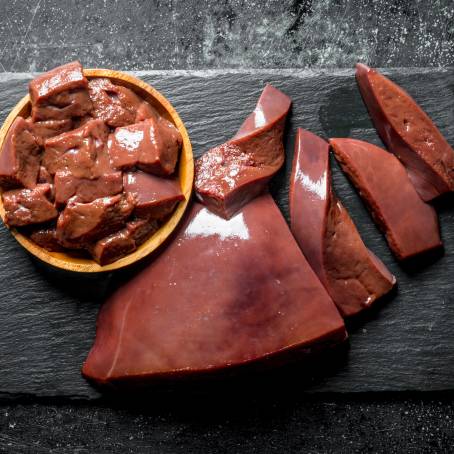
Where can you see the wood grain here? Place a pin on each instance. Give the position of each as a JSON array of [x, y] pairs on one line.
[[47, 319]]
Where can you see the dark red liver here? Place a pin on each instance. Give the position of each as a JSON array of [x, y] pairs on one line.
[[410, 225], [409, 133], [20, 156], [232, 174], [353, 276], [78, 151], [154, 197], [117, 105], [50, 128], [152, 145], [61, 93], [47, 238], [223, 294], [28, 206]]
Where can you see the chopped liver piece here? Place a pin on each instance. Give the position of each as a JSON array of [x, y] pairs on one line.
[[353, 276], [410, 225], [47, 239], [61, 93], [249, 297], [83, 223], [85, 190], [50, 128], [19, 157], [230, 175], [152, 145], [154, 197], [409, 133], [117, 105], [77, 151], [28, 206]]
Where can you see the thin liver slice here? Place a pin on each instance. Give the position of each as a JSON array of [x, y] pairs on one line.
[[230, 175], [410, 225], [409, 133], [353, 276], [20, 157], [28, 206], [249, 296]]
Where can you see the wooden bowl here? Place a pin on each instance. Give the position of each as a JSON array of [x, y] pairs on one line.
[[73, 262]]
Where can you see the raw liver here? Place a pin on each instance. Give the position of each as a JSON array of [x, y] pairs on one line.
[[154, 197], [230, 175], [249, 296], [50, 128], [47, 238], [152, 145], [410, 225], [353, 276], [28, 206], [59, 94], [409, 133], [19, 157]]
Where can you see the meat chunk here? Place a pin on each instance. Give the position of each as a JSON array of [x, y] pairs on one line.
[[78, 151], [230, 175], [181, 316], [46, 238], [85, 190], [83, 223], [154, 197], [50, 128], [353, 276], [20, 156], [60, 94], [410, 225], [409, 133], [28, 206], [152, 145], [117, 105]]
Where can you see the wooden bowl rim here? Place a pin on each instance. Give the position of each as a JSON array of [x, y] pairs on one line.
[[67, 262]]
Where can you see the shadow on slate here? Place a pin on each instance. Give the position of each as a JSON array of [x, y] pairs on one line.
[[48, 319]]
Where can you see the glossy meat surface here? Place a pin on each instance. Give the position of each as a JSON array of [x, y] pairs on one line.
[[42, 130], [19, 157], [223, 293], [409, 133], [46, 237], [353, 276], [410, 225], [230, 175]]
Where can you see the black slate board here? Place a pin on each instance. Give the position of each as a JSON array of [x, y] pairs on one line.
[[47, 320]]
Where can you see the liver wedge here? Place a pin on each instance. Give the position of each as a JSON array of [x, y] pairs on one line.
[[353, 276], [409, 133], [410, 225], [249, 296]]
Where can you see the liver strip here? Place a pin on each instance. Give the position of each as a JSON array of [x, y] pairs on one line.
[[409, 133], [151, 145], [230, 175], [20, 156], [409, 224], [61, 93], [28, 206], [250, 296], [353, 276], [154, 197]]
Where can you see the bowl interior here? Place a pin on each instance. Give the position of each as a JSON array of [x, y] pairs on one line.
[[74, 262]]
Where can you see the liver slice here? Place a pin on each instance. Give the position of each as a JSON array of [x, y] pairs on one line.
[[410, 225], [409, 133], [230, 175], [152, 145], [61, 93], [250, 296], [20, 156], [50, 128], [154, 197], [28, 206], [47, 238], [353, 276]]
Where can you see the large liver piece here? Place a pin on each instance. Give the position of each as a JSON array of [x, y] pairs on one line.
[[19, 157], [409, 133], [410, 225], [223, 293], [59, 94], [230, 175], [353, 276]]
